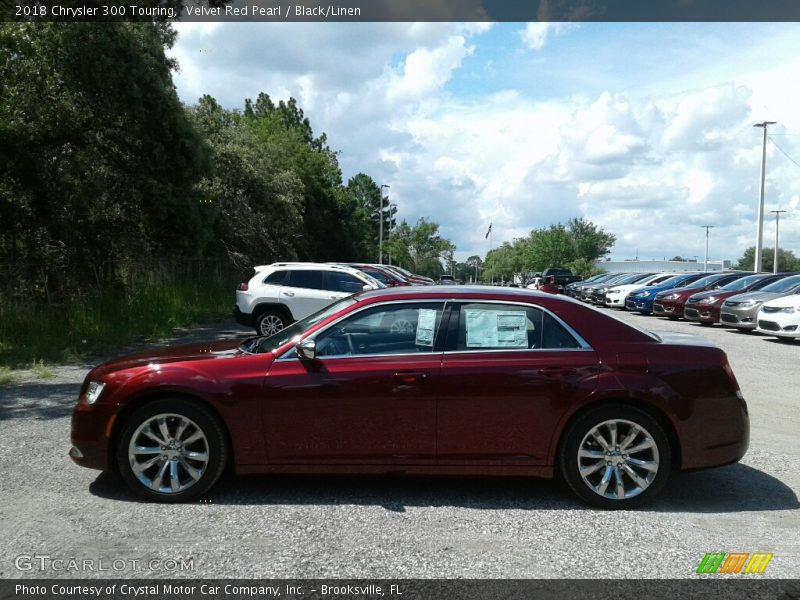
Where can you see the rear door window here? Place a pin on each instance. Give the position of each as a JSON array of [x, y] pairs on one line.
[[307, 279]]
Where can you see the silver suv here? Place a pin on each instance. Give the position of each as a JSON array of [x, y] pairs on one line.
[[281, 293]]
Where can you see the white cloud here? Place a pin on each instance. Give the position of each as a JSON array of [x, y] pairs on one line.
[[536, 35], [649, 160]]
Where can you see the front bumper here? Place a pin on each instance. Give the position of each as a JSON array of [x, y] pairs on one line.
[[779, 324], [668, 308], [741, 318], [615, 301], [701, 313], [90, 432], [643, 305]]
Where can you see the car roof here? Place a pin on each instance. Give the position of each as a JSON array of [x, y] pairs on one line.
[[458, 291]]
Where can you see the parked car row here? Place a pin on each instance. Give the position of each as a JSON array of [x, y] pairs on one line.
[[765, 302], [279, 294]]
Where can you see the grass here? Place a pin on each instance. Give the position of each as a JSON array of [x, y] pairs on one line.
[[31, 337]]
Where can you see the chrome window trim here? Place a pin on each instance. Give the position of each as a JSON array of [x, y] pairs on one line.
[[316, 334], [584, 345]]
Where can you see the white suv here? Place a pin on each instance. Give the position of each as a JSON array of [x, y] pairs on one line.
[[281, 293]]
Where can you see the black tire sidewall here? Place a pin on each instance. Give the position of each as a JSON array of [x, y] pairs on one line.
[[574, 435], [204, 419]]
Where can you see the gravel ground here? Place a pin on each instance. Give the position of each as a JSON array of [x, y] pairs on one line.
[[299, 527]]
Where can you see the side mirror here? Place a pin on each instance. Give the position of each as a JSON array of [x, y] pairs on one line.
[[366, 287], [306, 350]]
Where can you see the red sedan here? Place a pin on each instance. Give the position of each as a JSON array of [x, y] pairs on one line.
[[428, 381]]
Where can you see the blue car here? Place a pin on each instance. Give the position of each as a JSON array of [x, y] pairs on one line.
[[641, 299]]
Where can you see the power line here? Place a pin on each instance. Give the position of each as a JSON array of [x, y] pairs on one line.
[[786, 154]]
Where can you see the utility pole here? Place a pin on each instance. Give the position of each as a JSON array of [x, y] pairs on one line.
[[380, 221], [760, 227], [777, 222], [705, 262]]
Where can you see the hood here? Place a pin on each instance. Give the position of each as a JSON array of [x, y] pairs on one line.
[[159, 356], [719, 294], [759, 296], [784, 301]]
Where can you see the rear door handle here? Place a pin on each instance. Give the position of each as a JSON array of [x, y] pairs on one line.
[[411, 376], [288, 294]]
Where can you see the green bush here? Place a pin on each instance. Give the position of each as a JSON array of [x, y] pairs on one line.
[[95, 324]]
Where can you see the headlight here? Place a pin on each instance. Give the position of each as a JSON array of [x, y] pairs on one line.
[[788, 309], [94, 390], [602, 290], [669, 297], [749, 303], [709, 300]]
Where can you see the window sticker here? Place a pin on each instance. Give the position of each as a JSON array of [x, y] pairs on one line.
[[496, 328], [426, 323]]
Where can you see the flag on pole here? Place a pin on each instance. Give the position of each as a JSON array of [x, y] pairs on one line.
[[488, 232]]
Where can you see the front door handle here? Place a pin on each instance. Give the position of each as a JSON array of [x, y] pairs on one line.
[[557, 372], [411, 376]]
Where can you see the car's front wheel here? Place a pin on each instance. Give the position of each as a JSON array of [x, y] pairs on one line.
[[615, 456], [171, 450]]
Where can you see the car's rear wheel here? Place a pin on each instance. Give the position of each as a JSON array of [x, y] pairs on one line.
[[615, 456], [271, 321], [171, 450]]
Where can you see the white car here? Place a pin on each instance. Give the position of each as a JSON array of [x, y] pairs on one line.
[[780, 317], [282, 293], [616, 295]]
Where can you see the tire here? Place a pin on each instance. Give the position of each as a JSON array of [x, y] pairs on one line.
[[270, 321], [585, 466], [169, 468]]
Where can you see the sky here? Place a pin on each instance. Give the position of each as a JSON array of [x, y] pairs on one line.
[[646, 129]]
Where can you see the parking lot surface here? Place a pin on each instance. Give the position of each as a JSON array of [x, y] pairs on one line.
[[405, 527]]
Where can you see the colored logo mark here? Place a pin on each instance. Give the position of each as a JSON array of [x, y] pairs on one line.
[[730, 563]]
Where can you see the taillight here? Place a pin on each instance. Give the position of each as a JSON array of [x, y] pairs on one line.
[[243, 287]]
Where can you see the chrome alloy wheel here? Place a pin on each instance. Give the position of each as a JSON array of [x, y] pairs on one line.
[[618, 459], [270, 325], [168, 453]]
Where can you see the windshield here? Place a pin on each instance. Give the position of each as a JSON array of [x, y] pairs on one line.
[[740, 284], [633, 278], [782, 285], [259, 345], [705, 281]]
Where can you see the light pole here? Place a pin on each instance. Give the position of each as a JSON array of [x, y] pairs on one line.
[[380, 221], [760, 227], [777, 222], [392, 207], [705, 262]]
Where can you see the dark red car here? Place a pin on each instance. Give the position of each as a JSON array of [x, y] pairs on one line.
[[426, 381], [670, 303], [705, 307]]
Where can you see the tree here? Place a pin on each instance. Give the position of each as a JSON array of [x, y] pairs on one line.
[[97, 158], [257, 204], [591, 242], [420, 248], [787, 261]]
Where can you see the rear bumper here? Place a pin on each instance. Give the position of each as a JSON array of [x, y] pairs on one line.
[[717, 435], [245, 319]]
